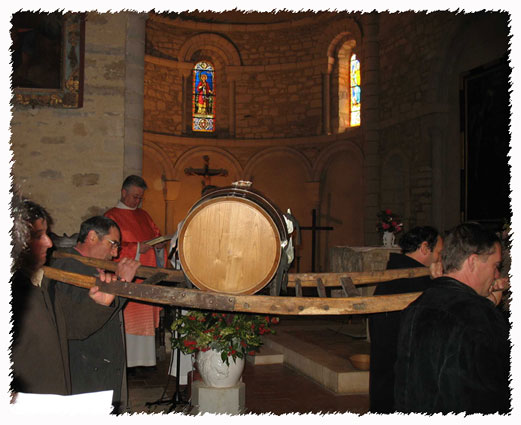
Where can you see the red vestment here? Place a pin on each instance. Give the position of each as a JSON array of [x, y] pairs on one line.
[[137, 226]]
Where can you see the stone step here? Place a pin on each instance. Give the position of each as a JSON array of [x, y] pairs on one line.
[[324, 367], [266, 355]]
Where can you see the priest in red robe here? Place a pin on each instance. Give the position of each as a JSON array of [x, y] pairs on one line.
[[137, 227]]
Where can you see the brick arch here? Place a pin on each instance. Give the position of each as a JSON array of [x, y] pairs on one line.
[[216, 43], [260, 156], [326, 155]]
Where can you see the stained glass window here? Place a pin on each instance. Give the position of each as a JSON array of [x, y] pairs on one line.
[[355, 91], [203, 98]]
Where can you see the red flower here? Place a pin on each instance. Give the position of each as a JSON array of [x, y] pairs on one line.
[[388, 211], [274, 320], [243, 344], [191, 317], [251, 353], [385, 225]]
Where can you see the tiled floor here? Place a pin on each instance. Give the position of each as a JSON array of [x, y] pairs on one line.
[[273, 389]]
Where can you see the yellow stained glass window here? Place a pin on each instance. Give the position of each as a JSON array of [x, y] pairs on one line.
[[355, 109]]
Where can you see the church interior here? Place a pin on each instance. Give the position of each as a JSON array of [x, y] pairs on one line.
[[332, 115]]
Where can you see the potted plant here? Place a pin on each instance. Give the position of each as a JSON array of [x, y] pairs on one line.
[[216, 338], [389, 224]]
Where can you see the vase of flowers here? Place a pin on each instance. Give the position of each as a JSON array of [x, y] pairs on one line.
[[389, 224], [220, 342]]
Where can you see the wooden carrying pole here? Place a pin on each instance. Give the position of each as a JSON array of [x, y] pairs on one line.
[[169, 275], [261, 304], [306, 279]]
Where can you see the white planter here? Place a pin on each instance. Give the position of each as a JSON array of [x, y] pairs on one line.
[[215, 372], [388, 239]]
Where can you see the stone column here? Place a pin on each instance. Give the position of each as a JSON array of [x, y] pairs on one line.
[[370, 124], [134, 93]]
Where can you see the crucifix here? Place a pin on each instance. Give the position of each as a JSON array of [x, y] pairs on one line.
[[206, 172], [314, 229]]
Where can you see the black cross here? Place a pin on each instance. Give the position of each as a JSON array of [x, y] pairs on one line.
[[314, 229], [206, 172]]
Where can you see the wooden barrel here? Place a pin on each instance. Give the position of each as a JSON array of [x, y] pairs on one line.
[[231, 241]]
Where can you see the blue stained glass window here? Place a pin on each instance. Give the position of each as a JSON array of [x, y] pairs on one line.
[[203, 97], [356, 91]]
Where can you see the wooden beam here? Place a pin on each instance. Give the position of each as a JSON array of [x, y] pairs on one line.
[[168, 275], [358, 278], [260, 304]]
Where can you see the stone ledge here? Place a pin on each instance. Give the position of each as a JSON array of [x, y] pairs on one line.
[[266, 355], [333, 372]]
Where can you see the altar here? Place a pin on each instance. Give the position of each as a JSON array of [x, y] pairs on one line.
[[360, 259]]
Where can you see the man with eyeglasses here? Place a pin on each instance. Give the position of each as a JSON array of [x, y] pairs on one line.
[[97, 362], [137, 227]]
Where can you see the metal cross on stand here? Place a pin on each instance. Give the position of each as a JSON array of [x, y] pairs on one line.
[[206, 172], [314, 229]]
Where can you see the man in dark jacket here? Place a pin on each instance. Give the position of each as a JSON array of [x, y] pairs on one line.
[[421, 247], [97, 359], [453, 348], [39, 351], [39, 354]]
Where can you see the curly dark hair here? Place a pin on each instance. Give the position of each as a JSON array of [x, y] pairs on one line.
[[24, 213]]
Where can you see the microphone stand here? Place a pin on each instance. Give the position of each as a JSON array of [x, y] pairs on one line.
[[176, 399]]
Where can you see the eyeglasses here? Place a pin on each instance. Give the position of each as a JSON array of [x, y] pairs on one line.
[[115, 244]]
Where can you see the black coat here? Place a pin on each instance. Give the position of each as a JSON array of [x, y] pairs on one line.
[[39, 349], [97, 358], [383, 331], [453, 353]]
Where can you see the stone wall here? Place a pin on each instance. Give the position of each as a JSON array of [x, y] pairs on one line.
[[422, 58], [72, 161], [277, 83]]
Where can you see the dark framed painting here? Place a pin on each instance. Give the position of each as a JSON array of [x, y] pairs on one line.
[[486, 130], [47, 54]]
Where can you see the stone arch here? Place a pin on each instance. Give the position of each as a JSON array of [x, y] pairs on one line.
[[340, 173], [156, 168], [338, 32], [223, 54], [262, 155], [160, 156], [183, 161], [325, 156], [339, 41], [215, 43], [189, 187]]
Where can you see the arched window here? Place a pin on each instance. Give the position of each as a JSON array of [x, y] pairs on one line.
[[355, 105], [203, 97]]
